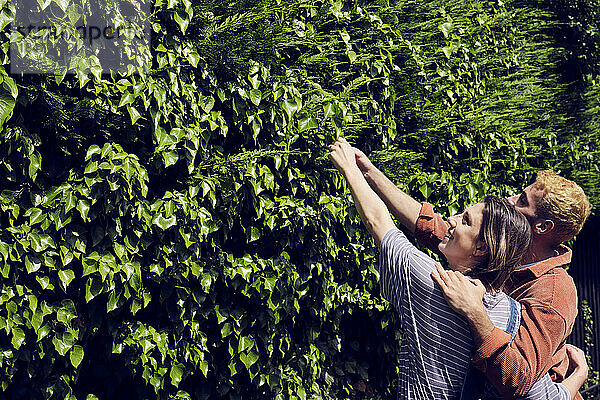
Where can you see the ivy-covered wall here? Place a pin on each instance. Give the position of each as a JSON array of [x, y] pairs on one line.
[[182, 234]]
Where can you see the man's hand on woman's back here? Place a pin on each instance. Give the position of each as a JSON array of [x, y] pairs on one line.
[[465, 296]]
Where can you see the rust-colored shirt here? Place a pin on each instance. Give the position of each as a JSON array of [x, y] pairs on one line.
[[549, 300]]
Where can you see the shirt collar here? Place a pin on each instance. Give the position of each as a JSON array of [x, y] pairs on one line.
[[540, 268]]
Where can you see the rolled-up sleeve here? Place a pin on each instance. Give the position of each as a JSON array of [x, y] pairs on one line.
[[430, 227], [514, 368]]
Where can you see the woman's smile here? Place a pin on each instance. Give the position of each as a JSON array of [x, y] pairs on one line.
[[447, 237], [459, 244]]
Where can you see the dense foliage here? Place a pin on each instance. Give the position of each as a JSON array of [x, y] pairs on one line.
[[181, 233]]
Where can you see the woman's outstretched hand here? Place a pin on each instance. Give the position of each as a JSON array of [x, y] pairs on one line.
[[465, 296], [343, 156]]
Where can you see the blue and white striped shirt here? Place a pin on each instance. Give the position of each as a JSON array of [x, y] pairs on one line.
[[436, 345]]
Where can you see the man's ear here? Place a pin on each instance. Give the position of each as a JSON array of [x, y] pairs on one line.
[[481, 249], [543, 226]]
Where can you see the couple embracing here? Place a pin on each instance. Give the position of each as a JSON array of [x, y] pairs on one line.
[[495, 324]]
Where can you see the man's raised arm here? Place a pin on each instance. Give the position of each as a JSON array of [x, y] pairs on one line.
[[405, 208], [427, 227]]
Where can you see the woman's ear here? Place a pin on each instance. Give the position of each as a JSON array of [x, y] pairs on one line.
[[481, 249]]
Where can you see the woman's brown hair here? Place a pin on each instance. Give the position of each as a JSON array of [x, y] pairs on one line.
[[507, 236]]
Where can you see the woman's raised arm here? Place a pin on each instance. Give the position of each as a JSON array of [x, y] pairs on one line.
[[372, 210]]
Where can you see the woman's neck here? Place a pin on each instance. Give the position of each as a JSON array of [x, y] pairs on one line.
[[466, 270]]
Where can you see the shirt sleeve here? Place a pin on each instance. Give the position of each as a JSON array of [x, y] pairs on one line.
[[402, 267], [563, 392], [430, 228], [514, 367], [390, 266], [546, 389]]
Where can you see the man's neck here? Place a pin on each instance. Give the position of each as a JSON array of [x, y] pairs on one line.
[[539, 252]]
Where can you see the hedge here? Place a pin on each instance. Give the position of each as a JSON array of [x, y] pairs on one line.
[[180, 233]]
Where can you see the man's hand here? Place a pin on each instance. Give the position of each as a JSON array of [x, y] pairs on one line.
[[577, 362], [343, 156], [464, 295], [578, 369], [404, 207], [362, 161]]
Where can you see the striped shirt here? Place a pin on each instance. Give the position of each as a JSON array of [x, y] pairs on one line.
[[436, 345]]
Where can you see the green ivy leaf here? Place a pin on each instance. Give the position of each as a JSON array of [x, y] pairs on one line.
[[32, 266], [44, 282], [5, 270], [63, 4], [94, 149], [245, 343], [61, 347], [193, 57], [301, 393], [35, 215], [351, 55], [472, 191], [425, 190], [254, 234], [112, 302], [307, 123], [164, 223], [183, 22], [34, 165], [7, 104], [446, 28], [18, 337], [7, 81], [37, 319], [176, 374], [329, 110], [291, 106], [83, 207], [76, 355], [249, 358], [208, 104], [4, 249], [41, 242], [71, 201], [203, 365], [66, 276], [170, 158], [93, 288], [126, 98], [134, 114], [255, 96], [43, 332]]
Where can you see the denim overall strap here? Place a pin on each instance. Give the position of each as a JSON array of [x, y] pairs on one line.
[[475, 382], [512, 327]]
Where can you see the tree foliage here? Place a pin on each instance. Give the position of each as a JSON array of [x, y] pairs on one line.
[[181, 233]]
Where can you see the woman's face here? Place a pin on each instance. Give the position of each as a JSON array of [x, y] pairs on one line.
[[461, 245]]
